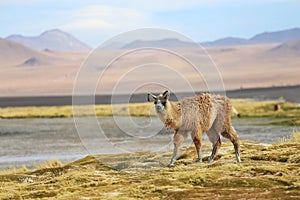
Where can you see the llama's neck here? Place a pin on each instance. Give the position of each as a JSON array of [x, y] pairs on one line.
[[173, 110], [172, 117]]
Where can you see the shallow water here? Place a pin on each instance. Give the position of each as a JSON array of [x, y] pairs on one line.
[[32, 141]]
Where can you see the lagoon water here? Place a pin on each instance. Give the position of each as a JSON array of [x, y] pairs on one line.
[[33, 141]]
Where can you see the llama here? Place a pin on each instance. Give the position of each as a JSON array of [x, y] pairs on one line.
[[203, 113]]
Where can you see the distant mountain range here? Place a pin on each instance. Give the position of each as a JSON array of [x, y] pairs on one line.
[[55, 39], [266, 37], [25, 51]]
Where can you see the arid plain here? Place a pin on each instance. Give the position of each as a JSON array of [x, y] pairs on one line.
[[26, 72]]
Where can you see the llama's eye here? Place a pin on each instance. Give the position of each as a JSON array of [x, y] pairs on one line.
[[164, 103], [155, 102]]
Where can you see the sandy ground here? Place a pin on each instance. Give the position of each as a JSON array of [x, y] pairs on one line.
[[55, 73]]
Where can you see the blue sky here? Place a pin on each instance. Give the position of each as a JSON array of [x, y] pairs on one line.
[[93, 21]]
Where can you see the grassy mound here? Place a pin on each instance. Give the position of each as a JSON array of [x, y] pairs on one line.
[[266, 171]]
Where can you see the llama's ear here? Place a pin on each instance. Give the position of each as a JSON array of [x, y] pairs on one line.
[[166, 94], [152, 95]]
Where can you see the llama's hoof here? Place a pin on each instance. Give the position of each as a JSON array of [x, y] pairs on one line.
[[210, 161], [199, 161], [238, 158], [170, 165]]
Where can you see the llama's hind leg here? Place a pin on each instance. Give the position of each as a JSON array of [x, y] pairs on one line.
[[231, 134], [197, 139], [178, 139], [214, 152], [215, 139]]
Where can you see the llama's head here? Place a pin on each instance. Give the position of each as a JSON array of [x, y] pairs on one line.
[[160, 101]]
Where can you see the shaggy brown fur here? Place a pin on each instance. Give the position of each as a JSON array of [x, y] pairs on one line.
[[203, 113]]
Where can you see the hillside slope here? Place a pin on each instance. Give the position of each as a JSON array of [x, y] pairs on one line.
[[53, 39], [14, 53]]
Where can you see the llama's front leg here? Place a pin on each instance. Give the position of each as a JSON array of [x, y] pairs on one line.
[[178, 139], [197, 139], [215, 139]]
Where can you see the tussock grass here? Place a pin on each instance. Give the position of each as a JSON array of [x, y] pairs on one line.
[[266, 172], [23, 169], [294, 137], [49, 164]]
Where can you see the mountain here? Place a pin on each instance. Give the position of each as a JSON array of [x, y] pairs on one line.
[[169, 42], [291, 48], [228, 41], [55, 39], [14, 53], [277, 36], [266, 37]]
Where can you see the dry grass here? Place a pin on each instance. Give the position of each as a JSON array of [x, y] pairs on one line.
[[135, 109], [266, 109], [49, 164], [32, 111], [288, 114], [247, 108], [266, 172], [23, 169], [295, 137]]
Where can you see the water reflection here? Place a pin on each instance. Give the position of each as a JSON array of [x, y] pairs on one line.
[[31, 141]]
